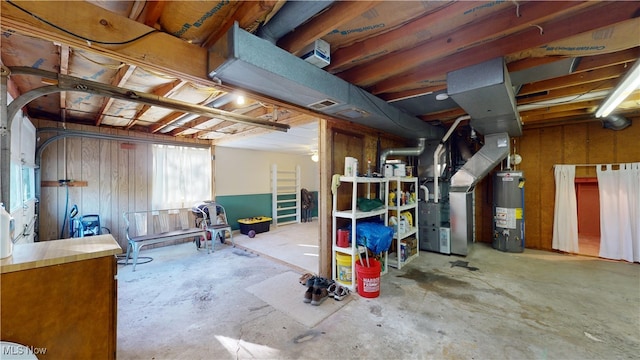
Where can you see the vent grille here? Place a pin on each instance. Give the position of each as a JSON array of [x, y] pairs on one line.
[[323, 104]]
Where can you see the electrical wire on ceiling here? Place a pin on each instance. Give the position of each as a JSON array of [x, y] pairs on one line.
[[89, 40], [517, 8], [539, 28]]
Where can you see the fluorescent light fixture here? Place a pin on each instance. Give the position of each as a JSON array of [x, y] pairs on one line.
[[629, 84]]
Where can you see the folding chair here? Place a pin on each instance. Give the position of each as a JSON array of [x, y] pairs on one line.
[[218, 225]]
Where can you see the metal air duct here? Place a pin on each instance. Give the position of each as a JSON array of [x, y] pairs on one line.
[[484, 91], [495, 149], [615, 122], [291, 15], [244, 60], [413, 151]]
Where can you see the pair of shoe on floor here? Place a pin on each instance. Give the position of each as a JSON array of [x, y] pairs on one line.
[[319, 289]]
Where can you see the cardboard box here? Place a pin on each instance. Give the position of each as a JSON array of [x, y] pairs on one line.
[[412, 244]]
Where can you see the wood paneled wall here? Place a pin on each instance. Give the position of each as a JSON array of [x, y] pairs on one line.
[[541, 149], [337, 141], [118, 176]]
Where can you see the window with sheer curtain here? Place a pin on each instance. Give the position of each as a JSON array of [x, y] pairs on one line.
[[181, 176]]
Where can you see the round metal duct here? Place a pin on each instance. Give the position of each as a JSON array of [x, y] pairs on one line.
[[615, 122]]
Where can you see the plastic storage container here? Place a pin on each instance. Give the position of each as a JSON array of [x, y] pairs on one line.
[[259, 224]]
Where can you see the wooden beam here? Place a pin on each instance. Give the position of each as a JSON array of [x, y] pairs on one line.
[[64, 69], [599, 61], [165, 121], [72, 183], [556, 115], [528, 63], [443, 115], [339, 13], [249, 15], [103, 32], [416, 31], [165, 90], [575, 91], [586, 64], [123, 74], [296, 120], [154, 51], [598, 15], [551, 109], [504, 22], [193, 124], [153, 11], [573, 79]]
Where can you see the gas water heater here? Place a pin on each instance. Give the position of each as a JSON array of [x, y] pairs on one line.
[[508, 211]]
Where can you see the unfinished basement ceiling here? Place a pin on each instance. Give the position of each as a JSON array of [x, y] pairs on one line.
[[563, 58]]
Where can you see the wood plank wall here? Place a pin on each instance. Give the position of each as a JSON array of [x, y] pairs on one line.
[[118, 177], [582, 143]]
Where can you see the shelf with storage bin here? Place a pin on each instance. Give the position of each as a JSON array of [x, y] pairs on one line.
[[362, 185], [406, 239]]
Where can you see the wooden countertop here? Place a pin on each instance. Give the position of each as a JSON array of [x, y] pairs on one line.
[[54, 252]]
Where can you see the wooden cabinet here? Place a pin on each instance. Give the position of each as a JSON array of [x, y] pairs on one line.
[[61, 297]]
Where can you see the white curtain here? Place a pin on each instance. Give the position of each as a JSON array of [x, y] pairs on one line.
[[181, 176], [619, 212], [565, 215]]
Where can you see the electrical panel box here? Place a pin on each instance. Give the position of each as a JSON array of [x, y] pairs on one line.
[[318, 53]]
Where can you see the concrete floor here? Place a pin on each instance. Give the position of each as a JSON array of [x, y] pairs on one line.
[[295, 244], [188, 304]]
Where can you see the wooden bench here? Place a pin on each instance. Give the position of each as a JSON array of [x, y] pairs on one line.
[[157, 226]]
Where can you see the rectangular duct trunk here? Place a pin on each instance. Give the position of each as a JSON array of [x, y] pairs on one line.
[[484, 91], [495, 149], [246, 61]]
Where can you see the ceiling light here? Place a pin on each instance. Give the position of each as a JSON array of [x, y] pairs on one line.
[[315, 157], [629, 84], [240, 100], [442, 96]]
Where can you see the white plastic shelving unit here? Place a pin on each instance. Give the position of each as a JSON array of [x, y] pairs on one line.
[[397, 208], [354, 215]]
